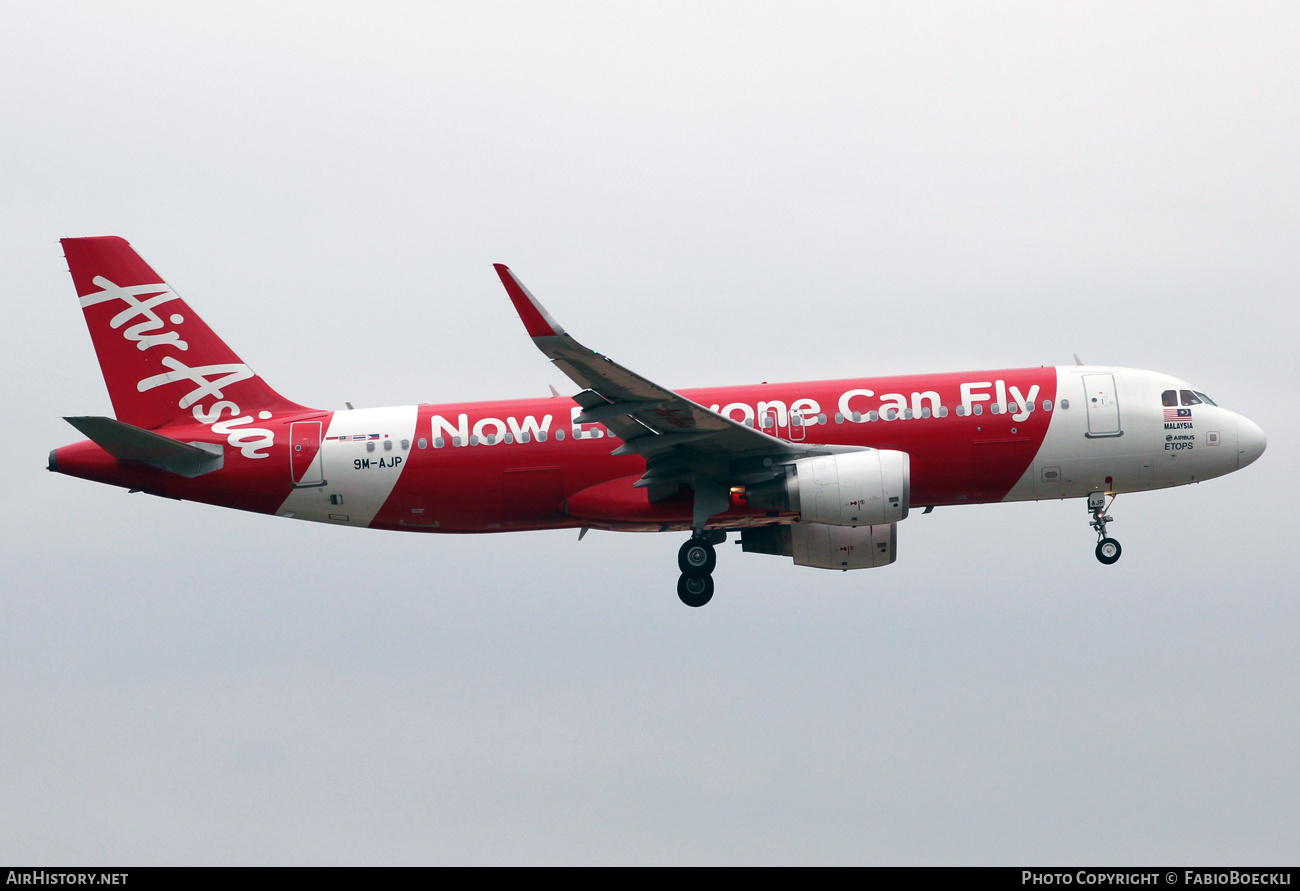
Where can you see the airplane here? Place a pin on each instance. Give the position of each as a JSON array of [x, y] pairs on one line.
[[821, 472]]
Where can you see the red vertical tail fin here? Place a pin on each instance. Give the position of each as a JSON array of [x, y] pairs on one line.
[[161, 362]]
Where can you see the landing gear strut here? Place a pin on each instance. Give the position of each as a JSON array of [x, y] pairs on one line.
[[696, 560], [1108, 549]]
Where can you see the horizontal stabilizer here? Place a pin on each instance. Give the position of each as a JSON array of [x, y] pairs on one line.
[[129, 443]]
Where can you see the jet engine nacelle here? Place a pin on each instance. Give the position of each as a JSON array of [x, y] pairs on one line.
[[826, 547], [871, 487]]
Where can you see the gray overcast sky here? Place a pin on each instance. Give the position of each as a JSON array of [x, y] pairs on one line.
[[713, 194]]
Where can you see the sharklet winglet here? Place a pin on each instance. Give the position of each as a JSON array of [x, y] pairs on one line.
[[537, 321]]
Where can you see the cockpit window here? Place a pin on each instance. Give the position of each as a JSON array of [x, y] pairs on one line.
[[1169, 398], [1205, 398], [1189, 398]]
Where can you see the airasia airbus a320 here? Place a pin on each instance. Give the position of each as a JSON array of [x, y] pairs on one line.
[[821, 471]]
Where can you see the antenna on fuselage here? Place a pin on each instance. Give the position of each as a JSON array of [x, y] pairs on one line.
[[1077, 360]]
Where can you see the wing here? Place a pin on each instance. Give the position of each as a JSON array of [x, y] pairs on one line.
[[682, 441]]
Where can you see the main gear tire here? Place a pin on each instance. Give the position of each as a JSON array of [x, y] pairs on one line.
[[697, 558], [695, 591]]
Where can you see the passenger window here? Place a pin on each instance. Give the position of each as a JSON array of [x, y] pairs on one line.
[[1169, 398], [1189, 398]]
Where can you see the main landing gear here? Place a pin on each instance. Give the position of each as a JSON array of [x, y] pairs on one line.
[[1108, 549], [696, 560]]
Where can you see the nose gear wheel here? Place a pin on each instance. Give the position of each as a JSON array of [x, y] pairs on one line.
[[1108, 549]]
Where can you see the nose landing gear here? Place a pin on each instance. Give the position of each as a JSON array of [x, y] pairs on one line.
[[1108, 549], [696, 560]]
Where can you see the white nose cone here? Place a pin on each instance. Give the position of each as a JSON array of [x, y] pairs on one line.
[[1251, 442]]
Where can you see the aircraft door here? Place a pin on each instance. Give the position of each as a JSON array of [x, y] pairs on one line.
[[769, 421], [531, 494], [306, 463], [1103, 405], [793, 426], [798, 428]]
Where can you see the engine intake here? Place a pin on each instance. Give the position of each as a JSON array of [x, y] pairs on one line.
[[867, 488]]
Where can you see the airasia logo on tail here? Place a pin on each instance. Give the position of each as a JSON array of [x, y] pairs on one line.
[[149, 330], [142, 332]]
